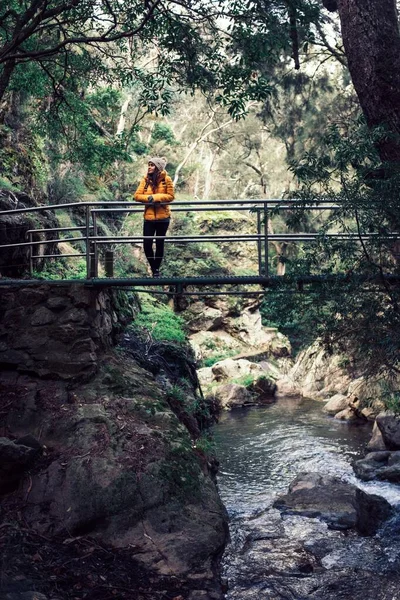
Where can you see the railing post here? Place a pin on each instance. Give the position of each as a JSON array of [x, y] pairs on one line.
[[266, 269], [259, 241], [109, 263], [95, 248], [88, 269], [30, 254]]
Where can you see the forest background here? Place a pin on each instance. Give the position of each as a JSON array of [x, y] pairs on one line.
[[281, 98]]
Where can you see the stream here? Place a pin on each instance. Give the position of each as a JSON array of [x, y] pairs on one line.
[[274, 556]]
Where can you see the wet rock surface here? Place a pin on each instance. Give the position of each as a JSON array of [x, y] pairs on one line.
[[278, 556], [338, 503], [381, 466]]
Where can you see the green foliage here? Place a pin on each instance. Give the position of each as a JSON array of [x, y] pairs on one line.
[[245, 380], [391, 395], [177, 393], [66, 187], [86, 141], [214, 358], [358, 313], [159, 320], [392, 403], [206, 446], [63, 268], [6, 184], [163, 133]]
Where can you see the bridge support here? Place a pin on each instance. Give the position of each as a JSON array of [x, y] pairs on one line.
[[109, 263]]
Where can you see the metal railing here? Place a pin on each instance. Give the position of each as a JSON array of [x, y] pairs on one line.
[[93, 241]]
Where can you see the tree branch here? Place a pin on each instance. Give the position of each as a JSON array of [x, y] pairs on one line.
[[22, 56]]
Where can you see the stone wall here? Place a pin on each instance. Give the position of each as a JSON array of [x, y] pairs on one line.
[[59, 331], [14, 261]]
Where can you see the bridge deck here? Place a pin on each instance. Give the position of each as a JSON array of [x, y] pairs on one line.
[[183, 282]]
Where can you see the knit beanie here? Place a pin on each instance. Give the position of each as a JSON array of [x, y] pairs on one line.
[[159, 161]]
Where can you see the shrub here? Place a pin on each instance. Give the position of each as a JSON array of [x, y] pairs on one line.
[[159, 320], [211, 360], [63, 268]]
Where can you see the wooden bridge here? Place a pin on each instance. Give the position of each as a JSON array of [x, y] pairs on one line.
[[97, 246]]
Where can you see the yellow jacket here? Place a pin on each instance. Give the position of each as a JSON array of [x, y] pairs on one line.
[[163, 193]]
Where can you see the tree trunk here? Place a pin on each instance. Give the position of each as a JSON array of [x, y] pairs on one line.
[[371, 40], [208, 175], [122, 116], [5, 77]]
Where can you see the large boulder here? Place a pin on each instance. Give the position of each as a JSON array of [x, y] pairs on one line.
[[389, 426], [376, 442], [264, 388], [340, 504], [118, 466], [337, 403], [382, 466], [349, 414], [220, 328], [203, 318], [231, 395], [229, 369], [286, 387]]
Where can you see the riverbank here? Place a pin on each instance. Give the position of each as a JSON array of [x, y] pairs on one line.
[[273, 555]]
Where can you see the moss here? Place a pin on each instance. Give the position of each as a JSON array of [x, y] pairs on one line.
[[159, 320], [181, 471]]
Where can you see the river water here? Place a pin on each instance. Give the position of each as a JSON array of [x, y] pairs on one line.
[[273, 556]]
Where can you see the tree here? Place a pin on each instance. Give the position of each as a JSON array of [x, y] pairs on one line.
[[371, 38]]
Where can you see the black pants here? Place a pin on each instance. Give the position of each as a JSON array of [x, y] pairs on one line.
[[154, 228]]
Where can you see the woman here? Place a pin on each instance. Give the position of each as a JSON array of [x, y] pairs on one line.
[[155, 188]]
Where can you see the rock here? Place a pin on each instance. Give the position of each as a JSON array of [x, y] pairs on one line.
[[264, 388], [348, 414], [220, 329], [287, 387], [30, 441], [57, 303], [369, 413], [233, 395], [203, 318], [211, 343], [389, 426], [14, 460], [381, 466], [235, 369], [205, 375], [341, 505], [280, 346], [337, 403], [43, 316], [376, 442], [372, 511], [14, 262], [318, 374]]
